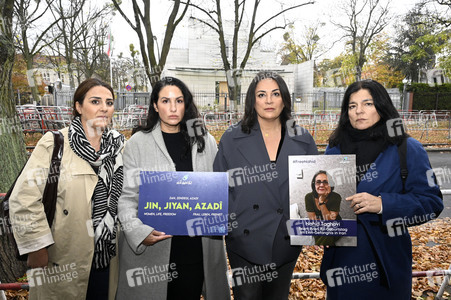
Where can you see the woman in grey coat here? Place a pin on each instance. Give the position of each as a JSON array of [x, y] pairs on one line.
[[153, 265]]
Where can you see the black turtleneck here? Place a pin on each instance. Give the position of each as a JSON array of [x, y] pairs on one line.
[[184, 249]]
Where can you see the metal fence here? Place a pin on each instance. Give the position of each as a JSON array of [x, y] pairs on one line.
[[307, 102], [126, 99], [45, 118]]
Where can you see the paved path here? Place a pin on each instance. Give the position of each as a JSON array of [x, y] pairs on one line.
[[443, 160]]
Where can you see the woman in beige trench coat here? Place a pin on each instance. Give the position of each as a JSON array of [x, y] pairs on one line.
[[73, 258]]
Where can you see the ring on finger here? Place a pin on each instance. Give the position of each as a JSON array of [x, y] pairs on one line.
[[358, 206]]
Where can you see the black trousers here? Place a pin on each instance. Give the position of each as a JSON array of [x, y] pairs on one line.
[[256, 282], [186, 254], [98, 284], [188, 283]]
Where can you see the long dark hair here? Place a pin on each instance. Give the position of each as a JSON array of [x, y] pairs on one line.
[[191, 112], [382, 102], [83, 89], [250, 115], [329, 178]]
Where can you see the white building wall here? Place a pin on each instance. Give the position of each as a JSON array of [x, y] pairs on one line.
[[200, 66], [178, 57]]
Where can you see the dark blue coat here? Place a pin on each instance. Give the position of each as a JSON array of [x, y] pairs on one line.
[[259, 205], [383, 241]]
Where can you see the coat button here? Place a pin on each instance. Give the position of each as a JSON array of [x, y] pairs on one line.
[[65, 212], [287, 237], [246, 232], [280, 211], [256, 207]]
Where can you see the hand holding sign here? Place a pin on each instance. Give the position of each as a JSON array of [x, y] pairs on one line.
[[154, 237]]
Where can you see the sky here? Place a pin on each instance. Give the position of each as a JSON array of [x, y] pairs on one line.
[[322, 10]]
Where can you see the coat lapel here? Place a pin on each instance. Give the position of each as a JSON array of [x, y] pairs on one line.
[[252, 147], [384, 165], [158, 137], [73, 165]]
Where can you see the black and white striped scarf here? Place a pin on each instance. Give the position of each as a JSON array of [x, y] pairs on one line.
[[108, 161]]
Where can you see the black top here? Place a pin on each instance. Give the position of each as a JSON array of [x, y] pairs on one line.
[[333, 204], [177, 148], [184, 249], [282, 136]]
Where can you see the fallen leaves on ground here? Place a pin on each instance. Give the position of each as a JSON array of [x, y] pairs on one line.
[[309, 261], [431, 250]]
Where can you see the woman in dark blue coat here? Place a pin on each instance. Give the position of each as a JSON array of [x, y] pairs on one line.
[[255, 154], [380, 267]]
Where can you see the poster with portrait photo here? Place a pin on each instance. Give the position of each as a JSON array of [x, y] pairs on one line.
[[319, 213]]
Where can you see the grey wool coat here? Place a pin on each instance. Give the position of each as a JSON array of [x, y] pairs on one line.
[[147, 152]]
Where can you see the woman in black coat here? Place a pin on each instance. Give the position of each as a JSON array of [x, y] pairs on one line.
[[255, 154]]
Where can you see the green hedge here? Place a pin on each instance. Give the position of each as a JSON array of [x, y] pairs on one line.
[[425, 87], [426, 97]]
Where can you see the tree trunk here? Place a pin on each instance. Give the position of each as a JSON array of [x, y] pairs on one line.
[[71, 76], [32, 80], [11, 269], [11, 139], [358, 73], [234, 86]]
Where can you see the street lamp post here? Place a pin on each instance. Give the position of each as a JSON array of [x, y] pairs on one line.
[[405, 100]]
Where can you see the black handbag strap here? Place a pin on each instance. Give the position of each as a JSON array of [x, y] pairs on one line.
[[51, 187], [402, 152]]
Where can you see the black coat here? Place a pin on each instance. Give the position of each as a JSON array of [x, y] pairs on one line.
[[259, 193]]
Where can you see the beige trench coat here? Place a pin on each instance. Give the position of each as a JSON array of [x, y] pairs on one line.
[[70, 241]]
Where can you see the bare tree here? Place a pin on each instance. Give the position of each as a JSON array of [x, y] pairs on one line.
[[439, 12], [90, 50], [11, 138], [366, 19], [30, 41], [121, 68], [255, 32], [54, 54], [68, 32], [81, 34], [143, 27]]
